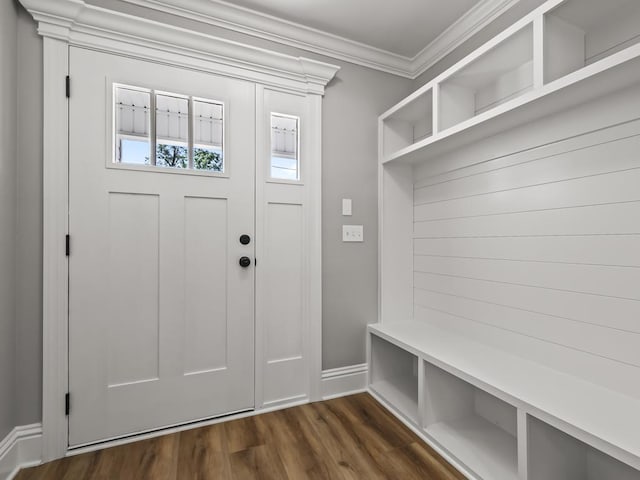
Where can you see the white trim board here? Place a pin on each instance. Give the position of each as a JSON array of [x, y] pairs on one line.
[[77, 23], [21, 448], [260, 25], [339, 382]]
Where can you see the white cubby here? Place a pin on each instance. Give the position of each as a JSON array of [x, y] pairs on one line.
[[499, 75], [452, 381], [581, 32], [394, 376], [554, 455], [560, 55], [489, 432], [477, 428], [409, 123]]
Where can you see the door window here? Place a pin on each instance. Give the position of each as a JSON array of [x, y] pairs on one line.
[[168, 130], [285, 147]]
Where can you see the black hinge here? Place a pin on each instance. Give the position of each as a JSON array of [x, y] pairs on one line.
[[67, 404], [67, 84], [67, 245]]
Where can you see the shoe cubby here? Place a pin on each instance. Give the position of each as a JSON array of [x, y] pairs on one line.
[[581, 32], [394, 377], [475, 427], [555, 455]]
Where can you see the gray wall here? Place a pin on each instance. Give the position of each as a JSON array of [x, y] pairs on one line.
[[8, 83], [351, 106], [350, 270], [29, 226]]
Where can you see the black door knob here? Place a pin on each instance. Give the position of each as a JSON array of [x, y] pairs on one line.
[[244, 262], [245, 239]]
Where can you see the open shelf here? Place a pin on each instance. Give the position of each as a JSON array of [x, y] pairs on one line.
[[501, 74], [581, 32], [477, 428], [553, 454], [562, 54], [394, 376], [614, 73], [409, 123]]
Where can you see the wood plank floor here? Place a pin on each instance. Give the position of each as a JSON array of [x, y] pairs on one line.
[[351, 437]]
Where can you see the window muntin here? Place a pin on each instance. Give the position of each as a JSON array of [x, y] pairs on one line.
[[187, 133], [285, 147]]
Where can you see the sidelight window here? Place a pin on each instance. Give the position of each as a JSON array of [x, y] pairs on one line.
[[168, 130], [285, 147]]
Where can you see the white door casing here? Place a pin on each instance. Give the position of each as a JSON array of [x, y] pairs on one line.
[[160, 312], [67, 23]]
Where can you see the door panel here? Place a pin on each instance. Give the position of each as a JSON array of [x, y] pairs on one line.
[[161, 315]]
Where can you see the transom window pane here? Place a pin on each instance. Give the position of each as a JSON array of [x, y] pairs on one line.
[[285, 161], [132, 122], [189, 132], [172, 131]]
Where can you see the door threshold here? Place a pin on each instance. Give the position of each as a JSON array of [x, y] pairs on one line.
[[157, 432], [135, 437]]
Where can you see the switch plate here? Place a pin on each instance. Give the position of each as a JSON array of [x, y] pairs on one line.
[[352, 233], [346, 207]]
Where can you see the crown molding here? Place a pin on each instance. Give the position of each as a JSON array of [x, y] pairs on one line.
[[267, 27], [250, 22], [80, 24]]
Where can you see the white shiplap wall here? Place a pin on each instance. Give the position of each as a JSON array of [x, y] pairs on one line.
[[538, 251]]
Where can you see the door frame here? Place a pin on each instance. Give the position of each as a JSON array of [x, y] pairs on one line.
[[67, 23]]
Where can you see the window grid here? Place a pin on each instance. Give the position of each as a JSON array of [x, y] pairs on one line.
[[170, 142]]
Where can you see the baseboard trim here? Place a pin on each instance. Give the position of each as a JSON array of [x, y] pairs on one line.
[[338, 382], [21, 448]]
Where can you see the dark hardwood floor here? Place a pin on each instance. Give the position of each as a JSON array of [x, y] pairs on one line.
[[352, 437]]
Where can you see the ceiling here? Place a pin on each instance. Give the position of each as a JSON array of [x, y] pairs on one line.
[[403, 27]]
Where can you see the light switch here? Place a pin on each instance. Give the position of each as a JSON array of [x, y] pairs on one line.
[[346, 206], [352, 233]]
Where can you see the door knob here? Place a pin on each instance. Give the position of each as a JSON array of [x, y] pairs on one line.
[[244, 262], [245, 239]]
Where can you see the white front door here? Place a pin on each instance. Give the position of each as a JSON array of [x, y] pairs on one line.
[[161, 313]]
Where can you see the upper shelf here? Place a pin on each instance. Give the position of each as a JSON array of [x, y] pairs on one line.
[[564, 53]]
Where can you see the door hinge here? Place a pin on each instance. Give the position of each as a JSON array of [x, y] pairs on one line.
[[67, 245], [67, 403], [67, 86]]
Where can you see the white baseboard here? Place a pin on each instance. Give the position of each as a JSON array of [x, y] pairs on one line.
[[22, 448], [342, 381]]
